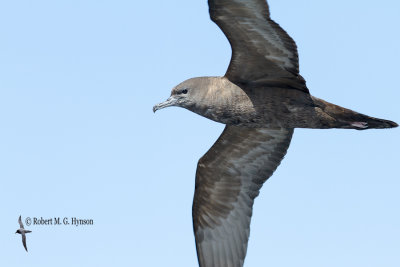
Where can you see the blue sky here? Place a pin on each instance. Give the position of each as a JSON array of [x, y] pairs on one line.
[[78, 137]]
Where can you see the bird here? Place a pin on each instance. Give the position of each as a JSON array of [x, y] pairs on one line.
[[22, 232], [261, 99]]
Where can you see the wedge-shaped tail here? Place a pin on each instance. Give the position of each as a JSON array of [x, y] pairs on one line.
[[340, 117]]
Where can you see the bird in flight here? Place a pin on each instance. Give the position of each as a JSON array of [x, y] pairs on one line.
[[22, 232], [261, 99]]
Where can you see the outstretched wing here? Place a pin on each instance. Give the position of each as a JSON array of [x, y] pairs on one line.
[[261, 49], [21, 225], [228, 179], [24, 241]]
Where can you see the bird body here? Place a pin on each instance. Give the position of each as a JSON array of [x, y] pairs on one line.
[[23, 231], [261, 99], [268, 106]]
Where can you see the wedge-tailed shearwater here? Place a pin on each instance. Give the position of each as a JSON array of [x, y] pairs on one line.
[[22, 232], [261, 99]]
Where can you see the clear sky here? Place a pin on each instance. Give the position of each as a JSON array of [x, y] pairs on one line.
[[78, 138]]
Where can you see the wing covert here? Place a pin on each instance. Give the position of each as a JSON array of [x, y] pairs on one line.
[[261, 49]]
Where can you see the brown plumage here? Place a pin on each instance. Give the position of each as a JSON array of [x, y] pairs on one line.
[[261, 99]]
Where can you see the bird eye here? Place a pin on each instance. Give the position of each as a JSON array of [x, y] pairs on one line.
[[184, 91]]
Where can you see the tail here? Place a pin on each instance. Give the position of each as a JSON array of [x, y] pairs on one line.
[[349, 119], [366, 122]]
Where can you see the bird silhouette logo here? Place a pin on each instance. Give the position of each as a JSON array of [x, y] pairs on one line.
[[22, 232]]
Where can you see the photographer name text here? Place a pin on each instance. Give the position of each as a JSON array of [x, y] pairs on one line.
[[58, 221]]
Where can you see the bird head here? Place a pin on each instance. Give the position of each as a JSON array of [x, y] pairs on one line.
[[191, 94], [181, 96]]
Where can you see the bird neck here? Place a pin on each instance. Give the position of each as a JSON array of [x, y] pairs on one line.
[[218, 96]]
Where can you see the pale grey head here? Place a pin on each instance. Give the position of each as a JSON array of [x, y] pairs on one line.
[[194, 94]]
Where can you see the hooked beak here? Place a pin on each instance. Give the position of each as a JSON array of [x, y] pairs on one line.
[[171, 101]]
